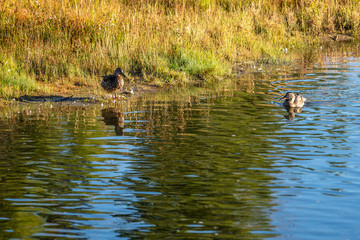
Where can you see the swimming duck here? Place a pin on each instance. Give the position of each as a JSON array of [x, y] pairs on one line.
[[113, 82], [293, 100]]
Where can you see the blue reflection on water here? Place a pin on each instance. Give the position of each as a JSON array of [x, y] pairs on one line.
[[320, 165]]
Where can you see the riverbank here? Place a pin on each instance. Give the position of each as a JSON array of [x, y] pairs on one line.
[[53, 47]]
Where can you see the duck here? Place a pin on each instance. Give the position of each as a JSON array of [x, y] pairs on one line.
[[113, 82], [293, 100]]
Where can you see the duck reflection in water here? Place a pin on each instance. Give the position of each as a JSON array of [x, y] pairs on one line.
[[292, 112], [293, 103], [113, 116]]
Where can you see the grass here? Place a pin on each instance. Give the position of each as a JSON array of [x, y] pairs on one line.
[[159, 41], [14, 81]]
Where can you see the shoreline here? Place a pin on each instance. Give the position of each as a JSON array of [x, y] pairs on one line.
[[74, 89]]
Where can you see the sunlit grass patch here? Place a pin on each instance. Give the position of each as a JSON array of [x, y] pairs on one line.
[[197, 64], [14, 81]]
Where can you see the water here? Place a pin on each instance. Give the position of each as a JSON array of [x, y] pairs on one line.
[[225, 164]]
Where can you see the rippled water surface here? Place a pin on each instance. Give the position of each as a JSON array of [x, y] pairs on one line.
[[224, 164]]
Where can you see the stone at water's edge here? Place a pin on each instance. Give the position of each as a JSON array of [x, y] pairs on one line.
[[52, 98]]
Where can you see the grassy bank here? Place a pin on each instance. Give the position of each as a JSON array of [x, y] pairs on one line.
[[166, 42]]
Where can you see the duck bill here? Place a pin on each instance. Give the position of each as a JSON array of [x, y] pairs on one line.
[[283, 98], [124, 75]]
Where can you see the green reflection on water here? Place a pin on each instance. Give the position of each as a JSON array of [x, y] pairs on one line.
[[213, 172], [152, 168]]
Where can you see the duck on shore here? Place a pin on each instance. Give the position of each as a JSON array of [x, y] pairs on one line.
[[113, 82], [293, 100]]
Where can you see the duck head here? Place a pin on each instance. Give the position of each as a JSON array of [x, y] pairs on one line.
[[289, 95], [119, 71]]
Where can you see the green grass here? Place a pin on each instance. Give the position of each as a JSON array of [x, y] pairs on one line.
[[166, 42], [14, 81]]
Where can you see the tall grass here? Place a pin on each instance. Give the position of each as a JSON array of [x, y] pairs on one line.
[[167, 41]]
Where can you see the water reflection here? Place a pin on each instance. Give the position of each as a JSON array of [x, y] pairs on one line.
[[214, 164], [292, 112], [208, 182], [114, 117], [176, 162]]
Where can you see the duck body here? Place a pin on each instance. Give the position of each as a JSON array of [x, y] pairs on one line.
[[293, 100], [113, 82]]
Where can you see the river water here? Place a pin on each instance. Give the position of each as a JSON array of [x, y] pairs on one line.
[[229, 163]]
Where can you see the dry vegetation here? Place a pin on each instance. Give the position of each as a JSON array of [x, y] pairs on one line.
[[164, 41]]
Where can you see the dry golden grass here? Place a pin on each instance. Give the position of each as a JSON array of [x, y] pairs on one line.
[[167, 42]]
